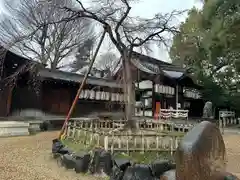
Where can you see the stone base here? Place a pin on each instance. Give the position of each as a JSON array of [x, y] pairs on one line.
[[13, 128], [34, 126]]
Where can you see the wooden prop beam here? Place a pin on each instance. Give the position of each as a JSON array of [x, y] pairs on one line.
[[82, 84]]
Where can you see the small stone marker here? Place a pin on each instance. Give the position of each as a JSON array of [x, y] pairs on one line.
[[169, 175], [201, 153]]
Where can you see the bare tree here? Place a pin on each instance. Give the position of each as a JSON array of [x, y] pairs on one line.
[[83, 55], [102, 67], [105, 64], [107, 61], [52, 43], [126, 33]]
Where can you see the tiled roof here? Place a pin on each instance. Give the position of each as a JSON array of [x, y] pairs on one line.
[[153, 66], [73, 77]]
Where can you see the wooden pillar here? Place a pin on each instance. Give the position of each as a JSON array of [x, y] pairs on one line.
[[176, 95], [153, 99], [138, 78], [134, 99], [9, 100]]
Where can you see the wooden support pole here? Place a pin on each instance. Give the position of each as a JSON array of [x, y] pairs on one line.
[[177, 97], [82, 84]]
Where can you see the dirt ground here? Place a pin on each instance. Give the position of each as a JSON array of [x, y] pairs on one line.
[[28, 158]]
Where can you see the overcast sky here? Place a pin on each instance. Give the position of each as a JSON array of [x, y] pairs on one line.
[[147, 8]]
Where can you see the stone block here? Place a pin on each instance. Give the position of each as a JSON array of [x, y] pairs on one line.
[[13, 128], [200, 153]]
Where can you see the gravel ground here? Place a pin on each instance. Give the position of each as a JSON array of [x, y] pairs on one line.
[[232, 143], [29, 158]]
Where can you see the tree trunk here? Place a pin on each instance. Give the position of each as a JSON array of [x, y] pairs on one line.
[[129, 91]]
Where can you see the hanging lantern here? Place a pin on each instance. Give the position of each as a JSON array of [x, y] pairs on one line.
[[107, 96], [121, 97], [113, 97], [164, 89], [160, 88], [86, 94], [81, 96], [116, 96], [167, 90], [156, 88], [103, 95], [98, 95], [92, 94], [170, 90]]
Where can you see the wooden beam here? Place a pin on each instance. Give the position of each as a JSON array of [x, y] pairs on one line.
[[9, 100]]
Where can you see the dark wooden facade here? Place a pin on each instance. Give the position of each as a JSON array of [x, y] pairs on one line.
[[5, 101], [9, 85], [158, 72], [51, 92]]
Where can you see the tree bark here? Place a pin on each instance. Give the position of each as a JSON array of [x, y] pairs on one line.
[[129, 91]]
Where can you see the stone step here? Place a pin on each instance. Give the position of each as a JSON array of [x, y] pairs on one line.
[[14, 128]]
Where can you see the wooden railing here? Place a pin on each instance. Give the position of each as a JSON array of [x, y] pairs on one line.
[[148, 124], [90, 133], [225, 114], [227, 118], [141, 142], [173, 114]]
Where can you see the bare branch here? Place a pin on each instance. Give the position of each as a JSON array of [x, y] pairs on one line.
[[122, 20], [58, 33]]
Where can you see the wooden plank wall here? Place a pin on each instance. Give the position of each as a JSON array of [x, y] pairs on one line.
[[5, 100], [56, 101]]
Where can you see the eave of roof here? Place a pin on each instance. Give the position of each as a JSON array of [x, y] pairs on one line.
[[65, 76], [153, 66], [146, 58], [72, 77]]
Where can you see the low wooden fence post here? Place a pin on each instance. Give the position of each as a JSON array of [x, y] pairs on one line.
[[106, 143], [68, 129], [87, 132], [74, 129]]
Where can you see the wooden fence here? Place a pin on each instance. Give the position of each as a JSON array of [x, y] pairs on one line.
[[227, 118], [169, 114], [110, 125], [98, 134]]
